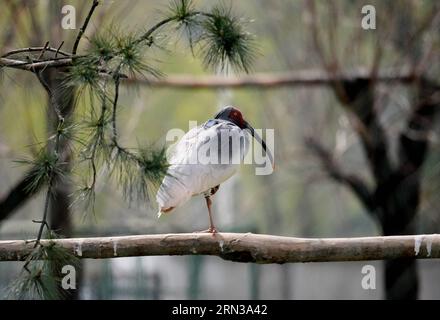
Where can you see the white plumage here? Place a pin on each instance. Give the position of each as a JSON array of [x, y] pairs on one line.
[[189, 174], [204, 158]]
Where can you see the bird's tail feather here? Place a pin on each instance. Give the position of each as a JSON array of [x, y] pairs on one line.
[[164, 210]]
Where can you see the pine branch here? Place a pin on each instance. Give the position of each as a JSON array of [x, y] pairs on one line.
[[43, 223], [59, 132], [38, 278], [32, 66], [146, 36], [84, 26], [35, 49], [59, 48], [115, 105]]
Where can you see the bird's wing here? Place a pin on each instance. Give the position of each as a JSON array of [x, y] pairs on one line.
[[176, 187], [179, 152]]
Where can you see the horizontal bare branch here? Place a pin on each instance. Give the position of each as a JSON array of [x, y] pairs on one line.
[[240, 247], [268, 80], [34, 49], [259, 80], [18, 64]]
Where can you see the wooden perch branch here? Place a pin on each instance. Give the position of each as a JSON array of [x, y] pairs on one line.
[[240, 247]]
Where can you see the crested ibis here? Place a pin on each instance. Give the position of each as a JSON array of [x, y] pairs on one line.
[[186, 178]]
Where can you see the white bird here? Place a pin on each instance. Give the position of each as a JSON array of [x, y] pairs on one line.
[[205, 157]]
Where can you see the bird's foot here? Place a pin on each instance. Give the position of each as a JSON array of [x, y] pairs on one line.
[[212, 230]]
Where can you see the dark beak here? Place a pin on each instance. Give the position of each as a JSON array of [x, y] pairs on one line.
[[262, 142]]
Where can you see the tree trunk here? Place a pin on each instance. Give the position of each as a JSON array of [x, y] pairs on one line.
[[59, 209], [399, 196], [63, 99], [396, 196], [401, 276]]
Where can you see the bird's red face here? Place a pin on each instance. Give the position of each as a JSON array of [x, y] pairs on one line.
[[232, 114], [235, 116]]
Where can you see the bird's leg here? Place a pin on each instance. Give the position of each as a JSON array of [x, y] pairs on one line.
[[211, 229]]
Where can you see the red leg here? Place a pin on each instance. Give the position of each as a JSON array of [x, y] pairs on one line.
[[211, 229]]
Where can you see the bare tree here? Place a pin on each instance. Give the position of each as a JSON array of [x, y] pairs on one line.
[[394, 197]]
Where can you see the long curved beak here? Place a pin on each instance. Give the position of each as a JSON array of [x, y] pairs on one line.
[[262, 142]]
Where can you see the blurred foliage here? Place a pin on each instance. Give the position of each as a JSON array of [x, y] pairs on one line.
[[309, 204], [37, 280]]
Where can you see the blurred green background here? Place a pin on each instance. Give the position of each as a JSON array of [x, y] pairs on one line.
[[298, 199]]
